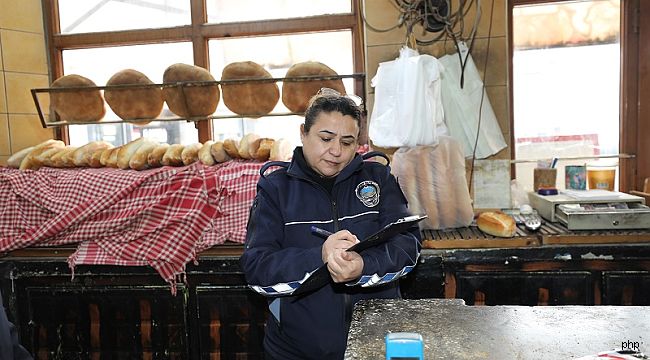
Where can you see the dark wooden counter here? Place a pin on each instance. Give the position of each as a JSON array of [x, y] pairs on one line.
[[453, 331]]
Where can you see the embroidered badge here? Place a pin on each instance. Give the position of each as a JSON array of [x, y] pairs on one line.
[[368, 193]]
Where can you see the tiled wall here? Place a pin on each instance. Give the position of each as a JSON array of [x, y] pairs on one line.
[[384, 46], [23, 66]]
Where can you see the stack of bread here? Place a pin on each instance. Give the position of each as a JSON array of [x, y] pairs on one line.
[[144, 153]]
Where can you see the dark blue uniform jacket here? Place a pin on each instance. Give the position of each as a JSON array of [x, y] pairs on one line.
[[281, 252]]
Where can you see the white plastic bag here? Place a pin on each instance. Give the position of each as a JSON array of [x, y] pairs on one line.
[[434, 183], [462, 107], [408, 108]]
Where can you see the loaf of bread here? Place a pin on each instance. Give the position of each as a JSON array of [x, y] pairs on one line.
[[172, 156], [282, 150], [296, 93], [219, 153], [106, 154], [79, 105], [190, 100], [154, 159], [190, 153], [139, 160], [63, 158], [244, 145], [260, 149], [230, 146], [139, 104], [15, 159], [127, 151], [95, 159], [433, 181], [204, 154], [81, 156], [249, 98], [113, 156], [34, 160], [45, 157], [496, 223]]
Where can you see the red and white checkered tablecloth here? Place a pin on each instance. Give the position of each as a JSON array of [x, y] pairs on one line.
[[160, 217]]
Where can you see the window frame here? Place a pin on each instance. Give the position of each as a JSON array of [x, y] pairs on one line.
[[632, 171], [199, 32]]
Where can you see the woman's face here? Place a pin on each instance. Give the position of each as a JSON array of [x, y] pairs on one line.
[[330, 143]]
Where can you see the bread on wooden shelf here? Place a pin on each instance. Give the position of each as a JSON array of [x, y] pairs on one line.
[[496, 223]]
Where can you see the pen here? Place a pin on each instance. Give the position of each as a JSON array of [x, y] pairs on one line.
[[319, 231]]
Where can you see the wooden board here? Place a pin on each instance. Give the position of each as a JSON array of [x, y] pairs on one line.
[[472, 237]]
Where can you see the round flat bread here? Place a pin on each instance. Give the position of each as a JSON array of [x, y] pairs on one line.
[[190, 100], [252, 98], [79, 105], [142, 104], [296, 94]]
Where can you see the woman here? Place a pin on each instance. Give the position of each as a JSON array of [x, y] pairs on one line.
[[328, 185]]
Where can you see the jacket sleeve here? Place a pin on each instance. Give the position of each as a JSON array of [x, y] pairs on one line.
[[10, 347], [398, 256], [272, 269]]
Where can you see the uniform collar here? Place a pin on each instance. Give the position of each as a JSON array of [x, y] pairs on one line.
[[299, 167]]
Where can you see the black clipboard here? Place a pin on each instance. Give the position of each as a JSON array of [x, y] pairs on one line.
[[321, 276]]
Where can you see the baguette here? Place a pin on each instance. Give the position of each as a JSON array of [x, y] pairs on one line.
[[204, 154], [219, 153], [15, 159], [139, 160], [106, 153], [260, 149], [61, 158], [33, 160], [245, 144], [230, 146], [82, 155], [496, 223], [95, 159], [127, 151], [190, 153], [45, 158], [154, 159], [112, 157], [282, 150], [172, 156]]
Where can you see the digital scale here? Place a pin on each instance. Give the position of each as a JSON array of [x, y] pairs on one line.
[[593, 209]]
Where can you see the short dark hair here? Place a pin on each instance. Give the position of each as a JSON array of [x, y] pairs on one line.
[[330, 101]]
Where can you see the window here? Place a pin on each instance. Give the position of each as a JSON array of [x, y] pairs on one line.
[[566, 84], [98, 38]]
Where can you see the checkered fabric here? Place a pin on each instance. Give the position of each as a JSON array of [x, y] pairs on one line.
[[160, 217]]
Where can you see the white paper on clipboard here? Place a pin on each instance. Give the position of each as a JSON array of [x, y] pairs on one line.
[[491, 184]]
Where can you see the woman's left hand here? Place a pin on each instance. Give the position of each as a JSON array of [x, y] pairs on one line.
[[344, 265]]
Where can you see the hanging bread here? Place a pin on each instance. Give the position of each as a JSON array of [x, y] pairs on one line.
[[190, 100], [133, 103], [297, 93], [79, 105], [255, 98]]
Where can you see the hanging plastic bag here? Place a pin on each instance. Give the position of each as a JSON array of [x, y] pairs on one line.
[[434, 183], [463, 105], [408, 107]]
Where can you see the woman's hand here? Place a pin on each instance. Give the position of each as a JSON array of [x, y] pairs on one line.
[[340, 240], [344, 265]]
